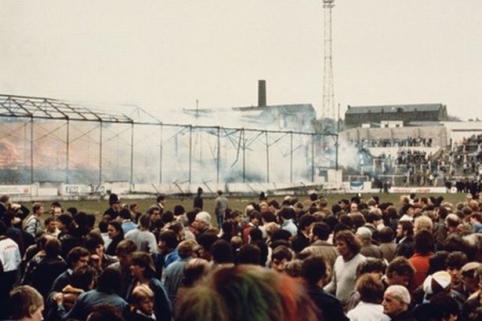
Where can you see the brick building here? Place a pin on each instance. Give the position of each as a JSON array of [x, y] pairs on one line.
[[374, 115]]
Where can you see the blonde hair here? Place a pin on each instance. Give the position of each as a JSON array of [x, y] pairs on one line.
[[271, 227], [423, 223], [140, 293]]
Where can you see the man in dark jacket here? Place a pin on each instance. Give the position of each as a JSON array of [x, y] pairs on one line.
[[313, 271]]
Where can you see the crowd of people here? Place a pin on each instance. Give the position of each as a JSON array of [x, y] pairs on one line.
[[299, 259], [394, 142], [455, 167]]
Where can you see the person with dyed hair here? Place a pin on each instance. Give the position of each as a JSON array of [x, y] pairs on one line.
[[246, 292]]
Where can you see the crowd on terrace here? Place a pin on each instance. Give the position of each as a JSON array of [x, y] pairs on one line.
[[455, 167]]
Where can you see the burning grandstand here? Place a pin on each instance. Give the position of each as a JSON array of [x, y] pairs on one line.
[[48, 140]]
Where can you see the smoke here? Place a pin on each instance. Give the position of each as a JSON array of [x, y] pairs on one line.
[[204, 146]]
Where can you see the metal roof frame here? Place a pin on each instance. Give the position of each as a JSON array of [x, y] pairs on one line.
[[54, 109]]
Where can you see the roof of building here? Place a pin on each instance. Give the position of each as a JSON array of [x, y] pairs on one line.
[[393, 108], [12, 106]]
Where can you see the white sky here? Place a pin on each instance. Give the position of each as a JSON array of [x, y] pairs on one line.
[[165, 54]]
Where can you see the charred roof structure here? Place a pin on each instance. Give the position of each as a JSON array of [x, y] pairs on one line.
[[52, 140]]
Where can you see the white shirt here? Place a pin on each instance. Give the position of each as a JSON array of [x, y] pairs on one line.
[[9, 255], [367, 312]]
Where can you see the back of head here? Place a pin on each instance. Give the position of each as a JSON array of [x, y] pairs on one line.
[[24, 301], [108, 281], [424, 242], [186, 248], [364, 233], [222, 252], [125, 214], [66, 219], [179, 210], [194, 271], [246, 292], [401, 266], [206, 240], [52, 247], [371, 265], [370, 288], [113, 199], [313, 269], [249, 254], [125, 247], [443, 307], [386, 235], [282, 253], [437, 262], [321, 230], [145, 221], [83, 277], [170, 238], [286, 213], [281, 234], [93, 240], [305, 221], [105, 312]]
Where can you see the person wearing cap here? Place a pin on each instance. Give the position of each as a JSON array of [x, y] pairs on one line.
[[396, 301], [473, 302], [438, 283], [470, 282], [364, 236], [114, 206]]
